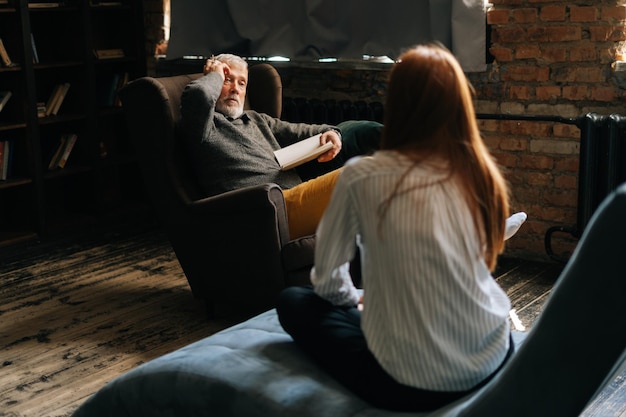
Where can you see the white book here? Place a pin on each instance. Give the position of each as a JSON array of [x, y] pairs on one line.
[[300, 152]]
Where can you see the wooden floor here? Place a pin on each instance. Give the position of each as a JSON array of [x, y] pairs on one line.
[[77, 312]]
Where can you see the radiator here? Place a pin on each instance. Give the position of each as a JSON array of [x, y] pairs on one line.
[[317, 111], [602, 168]]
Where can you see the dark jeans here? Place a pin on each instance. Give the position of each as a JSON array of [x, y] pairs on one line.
[[332, 336]]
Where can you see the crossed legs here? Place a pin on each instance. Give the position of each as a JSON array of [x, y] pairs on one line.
[[332, 336]]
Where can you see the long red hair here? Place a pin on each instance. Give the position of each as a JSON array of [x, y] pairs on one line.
[[429, 112]]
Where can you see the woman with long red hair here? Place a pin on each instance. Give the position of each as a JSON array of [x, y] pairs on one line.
[[428, 212]]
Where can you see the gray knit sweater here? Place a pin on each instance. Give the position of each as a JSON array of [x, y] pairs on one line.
[[227, 153]]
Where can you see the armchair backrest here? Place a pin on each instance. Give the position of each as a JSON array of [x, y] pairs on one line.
[[265, 90], [152, 108]]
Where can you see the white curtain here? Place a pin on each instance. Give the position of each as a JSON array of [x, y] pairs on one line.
[[313, 29]]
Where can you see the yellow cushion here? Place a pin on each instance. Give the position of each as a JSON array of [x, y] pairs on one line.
[[307, 202]]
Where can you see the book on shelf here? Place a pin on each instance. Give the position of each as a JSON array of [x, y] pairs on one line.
[[108, 87], [2, 143], [62, 152], [44, 4], [109, 53], [41, 109], [6, 159], [56, 99], [122, 82], [49, 104], [4, 98], [106, 3], [63, 89], [4, 55], [70, 140], [56, 156], [34, 48], [300, 152]]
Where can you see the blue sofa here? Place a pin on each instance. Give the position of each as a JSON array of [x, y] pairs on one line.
[[254, 368]]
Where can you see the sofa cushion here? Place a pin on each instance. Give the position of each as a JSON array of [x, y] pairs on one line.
[[251, 369]]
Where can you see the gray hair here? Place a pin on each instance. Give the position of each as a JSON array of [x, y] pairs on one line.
[[232, 60]]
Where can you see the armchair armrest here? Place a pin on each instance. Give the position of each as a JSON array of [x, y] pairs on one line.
[[264, 202], [244, 232], [244, 199]]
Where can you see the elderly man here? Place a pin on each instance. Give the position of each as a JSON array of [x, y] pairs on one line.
[[231, 148]]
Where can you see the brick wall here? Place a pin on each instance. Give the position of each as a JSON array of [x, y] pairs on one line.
[[551, 58]]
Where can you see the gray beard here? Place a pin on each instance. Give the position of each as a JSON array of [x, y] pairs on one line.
[[233, 112]]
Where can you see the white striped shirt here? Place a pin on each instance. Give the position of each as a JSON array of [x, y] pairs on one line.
[[433, 316]]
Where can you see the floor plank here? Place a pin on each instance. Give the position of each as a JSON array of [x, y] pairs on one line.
[[77, 313]]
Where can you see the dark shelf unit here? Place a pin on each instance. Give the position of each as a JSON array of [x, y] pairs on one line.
[[101, 178]]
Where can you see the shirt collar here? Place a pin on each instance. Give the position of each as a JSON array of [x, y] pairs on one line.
[[244, 117]]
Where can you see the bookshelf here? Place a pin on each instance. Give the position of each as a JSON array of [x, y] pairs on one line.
[[92, 48]]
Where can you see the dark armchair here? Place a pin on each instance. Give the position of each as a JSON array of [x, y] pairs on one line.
[[234, 248]]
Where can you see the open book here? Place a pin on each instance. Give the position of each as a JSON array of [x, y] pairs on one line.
[[300, 152]]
